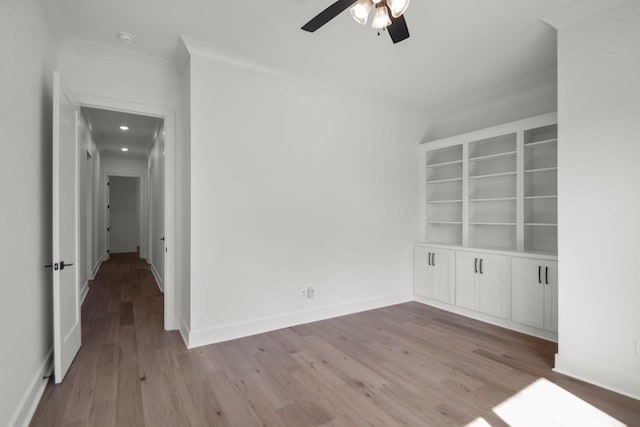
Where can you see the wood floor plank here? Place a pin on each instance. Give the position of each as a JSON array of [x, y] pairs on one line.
[[407, 364]]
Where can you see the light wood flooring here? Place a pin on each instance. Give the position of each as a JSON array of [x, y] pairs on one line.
[[407, 364]]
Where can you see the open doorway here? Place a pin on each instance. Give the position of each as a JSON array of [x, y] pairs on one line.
[[126, 179]]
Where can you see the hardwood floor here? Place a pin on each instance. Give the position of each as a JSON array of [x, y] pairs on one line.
[[403, 365]]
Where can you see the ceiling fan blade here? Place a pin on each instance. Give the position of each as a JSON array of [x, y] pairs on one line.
[[398, 29], [327, 15]]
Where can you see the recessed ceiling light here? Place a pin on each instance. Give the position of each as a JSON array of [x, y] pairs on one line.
[[124, 127], [124, 149], [127, 38]]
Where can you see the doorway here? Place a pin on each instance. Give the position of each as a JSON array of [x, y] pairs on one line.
[[128, 170]]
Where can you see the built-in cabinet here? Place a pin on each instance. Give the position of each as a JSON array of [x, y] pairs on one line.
[[489, 216], [483, 283], [534, 293], [434, 274]]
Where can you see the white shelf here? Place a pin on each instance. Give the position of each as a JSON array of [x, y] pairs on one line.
[[494, 199], [444, 201], [541, 170], [551, 196], [493, 223], [546, 141], [445, 222], [437, 165], [541, 224], [438, 181], [494, 156], [492, 175]]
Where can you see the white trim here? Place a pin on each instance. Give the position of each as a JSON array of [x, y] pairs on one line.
[[232, 331], [30, 399], [486, 318], [171, 135], [84, 291], [125, 251], [185, 331], [577, 11], [602, 376], [156, 276], [96, 268]]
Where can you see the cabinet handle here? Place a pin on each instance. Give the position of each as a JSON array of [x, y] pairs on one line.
[[540, 274], [429, 259], [481, 272], [546, 275], [433, 259], [476, 264]]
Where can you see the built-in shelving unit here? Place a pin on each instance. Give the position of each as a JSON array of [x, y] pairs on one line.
[[540, 205], [444, 194], [495, 188]]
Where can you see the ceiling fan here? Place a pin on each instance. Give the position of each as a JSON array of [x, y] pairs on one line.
[[389, 15]]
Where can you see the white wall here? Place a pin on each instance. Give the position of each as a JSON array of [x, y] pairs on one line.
[[534, 101], [156, 210], [599, 199], [291, 186], [124, 218], [89, 171], [28, 54], [117, 166]]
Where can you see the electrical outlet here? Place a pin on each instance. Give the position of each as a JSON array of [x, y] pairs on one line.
[[310, 292], [638, 348]]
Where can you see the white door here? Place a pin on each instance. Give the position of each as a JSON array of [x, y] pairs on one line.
[[494, 285], [527, 292], [66, 276], [467, 280], [421, 272], [550, 280], [443, 275]]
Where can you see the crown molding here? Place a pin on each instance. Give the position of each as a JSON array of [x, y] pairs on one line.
[[88, 49], [578, 11]]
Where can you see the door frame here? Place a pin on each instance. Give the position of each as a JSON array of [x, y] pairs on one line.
[[169, 117]]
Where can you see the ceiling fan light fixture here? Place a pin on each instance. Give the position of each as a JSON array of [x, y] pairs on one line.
[[397, 7], [360, 11], [381, 18]]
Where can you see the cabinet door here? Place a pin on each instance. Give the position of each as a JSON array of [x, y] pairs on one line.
[[527, 292], [467, 281], [494, 285], [443, 275], [421, 272], [550, 280]]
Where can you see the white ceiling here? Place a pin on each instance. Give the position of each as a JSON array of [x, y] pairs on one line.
[[105, 128], [457, 48]]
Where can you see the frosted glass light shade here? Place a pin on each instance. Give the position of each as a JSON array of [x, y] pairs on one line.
[[360, 11], [381, 18], [397, 7]]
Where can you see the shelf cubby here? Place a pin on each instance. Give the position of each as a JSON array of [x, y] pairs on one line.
[[445, 234], [493, 236], [493, 187], [499, 211], [541, 238], [444, 156], [444, 212], [493, 146]]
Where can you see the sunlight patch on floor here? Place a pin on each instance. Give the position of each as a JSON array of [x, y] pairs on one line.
[[543, 403], [478, 422]]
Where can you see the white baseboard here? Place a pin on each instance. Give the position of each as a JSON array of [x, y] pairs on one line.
[[96, 268], [123, 251], [84, 291], [184, 332], [33, 394], [200, 337], [157, 277], [602, 376]]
